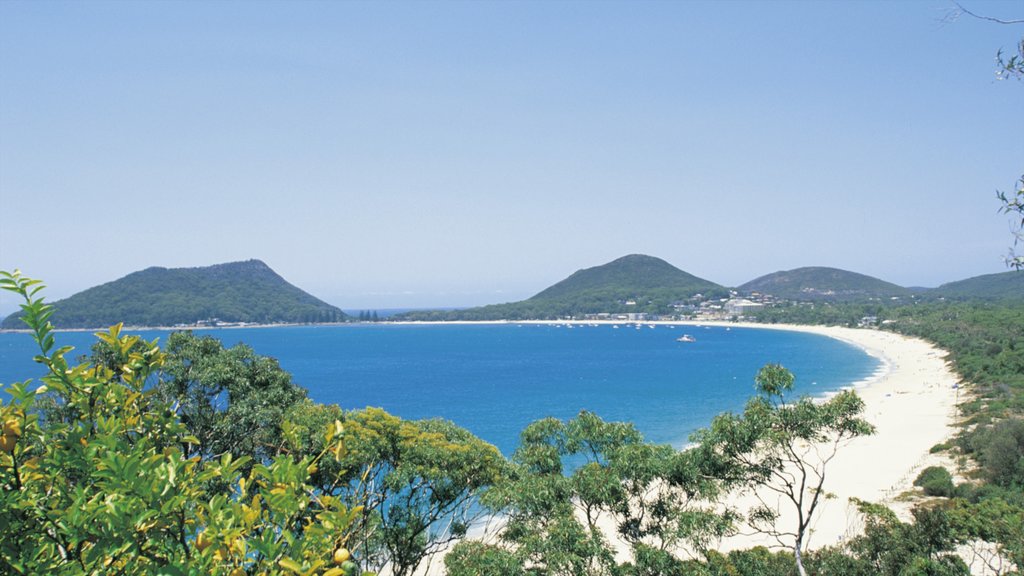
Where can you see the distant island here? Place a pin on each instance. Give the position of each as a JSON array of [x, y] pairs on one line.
[[235, 293], [630, 288]]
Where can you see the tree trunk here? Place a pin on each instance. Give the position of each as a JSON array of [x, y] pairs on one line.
[[799, 559]]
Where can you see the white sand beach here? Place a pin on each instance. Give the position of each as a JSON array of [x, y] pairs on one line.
[[911, 400], [912, 403]]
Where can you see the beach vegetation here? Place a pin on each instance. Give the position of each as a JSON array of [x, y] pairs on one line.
[[779, 450], [577, 483], [1000, 451], [983, 340], [935, 481], [890, 547]]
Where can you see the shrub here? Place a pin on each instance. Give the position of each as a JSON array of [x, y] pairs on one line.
[[936, 481], [1001, 452]]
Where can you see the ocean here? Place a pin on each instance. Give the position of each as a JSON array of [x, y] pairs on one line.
[[494, 379]]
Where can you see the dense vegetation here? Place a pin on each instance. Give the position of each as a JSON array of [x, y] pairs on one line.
[[1002, 286], [236, 292], [200, 459], [985, 341], [819, 283]]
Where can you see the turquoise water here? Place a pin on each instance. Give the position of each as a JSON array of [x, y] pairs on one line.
[[496, 379]]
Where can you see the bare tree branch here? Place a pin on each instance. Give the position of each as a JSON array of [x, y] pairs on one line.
[[987, 18]]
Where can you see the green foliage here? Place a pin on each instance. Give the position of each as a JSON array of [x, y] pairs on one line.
[[995, 520], [474, 558], [232, 399], [236, 292], [1000, 450], [570, 474], [1001, 286], [759, 561], [416, 482], [936, 481], [889, 547], [984, 341], [775, 441], [109, 490]]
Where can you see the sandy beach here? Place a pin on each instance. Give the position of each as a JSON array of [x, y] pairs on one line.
[[912, 403], [911, 400]]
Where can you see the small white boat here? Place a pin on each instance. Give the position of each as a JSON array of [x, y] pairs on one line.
[[686, 338]]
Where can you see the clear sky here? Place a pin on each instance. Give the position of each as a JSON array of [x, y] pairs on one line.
[[459, 153]]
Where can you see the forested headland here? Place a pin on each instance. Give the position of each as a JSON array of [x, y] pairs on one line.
[[235, 292]]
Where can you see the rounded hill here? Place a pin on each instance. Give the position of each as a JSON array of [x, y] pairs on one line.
[[822, 283], [235, 292]]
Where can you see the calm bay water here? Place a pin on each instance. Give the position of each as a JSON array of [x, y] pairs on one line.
[[496, 379]]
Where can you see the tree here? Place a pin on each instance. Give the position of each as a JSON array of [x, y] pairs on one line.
[[232, 399], [889, 547], [577, 483], [109, 489], [416, 482], [781, 450], [994, 531]]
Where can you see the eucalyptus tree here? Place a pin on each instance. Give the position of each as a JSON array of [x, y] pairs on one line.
[[578, 484], [232, 399], [779, 450], [416, 482]]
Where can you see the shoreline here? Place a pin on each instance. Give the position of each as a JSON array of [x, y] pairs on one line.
[[911, 400]]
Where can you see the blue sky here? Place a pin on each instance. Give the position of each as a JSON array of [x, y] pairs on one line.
[[458, 153]]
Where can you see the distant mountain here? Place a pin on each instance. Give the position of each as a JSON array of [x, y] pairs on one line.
[[235, 292], [634, 283], [820, 283], [635, 277], [1001, 286]]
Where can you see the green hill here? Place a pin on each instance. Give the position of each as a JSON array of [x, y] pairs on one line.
[[820, 283], [235, 292], [1001, 286], [634, 283]]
